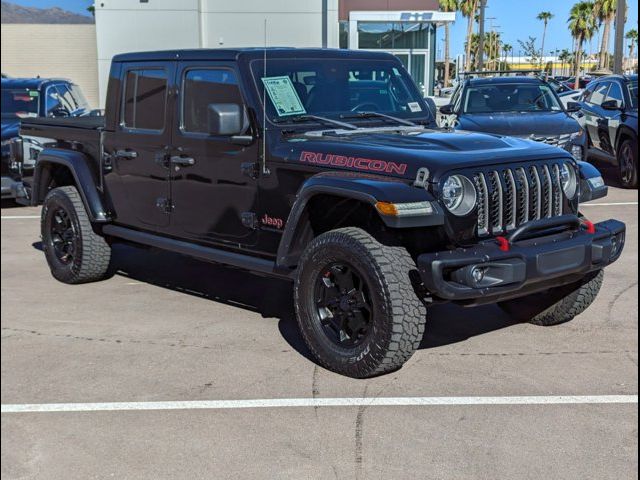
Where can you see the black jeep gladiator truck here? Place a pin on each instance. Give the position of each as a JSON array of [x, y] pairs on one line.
[[323, 167]]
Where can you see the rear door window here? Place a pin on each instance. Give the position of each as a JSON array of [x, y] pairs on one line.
[[144, 102]]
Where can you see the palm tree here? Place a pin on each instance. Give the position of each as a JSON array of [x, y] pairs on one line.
[[506, 49], [582, 25], [544, 17], [565, 58], [447, 6], [469, 9], [605, 11], [632, 36]]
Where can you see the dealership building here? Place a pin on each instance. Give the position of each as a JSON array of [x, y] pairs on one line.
[[405, 28]]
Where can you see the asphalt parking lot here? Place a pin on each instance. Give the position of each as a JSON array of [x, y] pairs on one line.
[[166, 328]]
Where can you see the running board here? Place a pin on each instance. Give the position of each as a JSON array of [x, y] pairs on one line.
[[246, 262]]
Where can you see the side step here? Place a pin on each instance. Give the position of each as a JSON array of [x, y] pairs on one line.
[[246, 262]]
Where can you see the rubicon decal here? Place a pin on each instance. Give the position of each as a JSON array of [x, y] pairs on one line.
[[364, 164]]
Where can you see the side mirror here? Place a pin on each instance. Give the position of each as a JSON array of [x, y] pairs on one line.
[[226, 119], [433, 109], [573, 107], [446, 109], [611, 105]]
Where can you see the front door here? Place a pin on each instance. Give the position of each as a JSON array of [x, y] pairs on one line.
[[213, 196], [138, 180]]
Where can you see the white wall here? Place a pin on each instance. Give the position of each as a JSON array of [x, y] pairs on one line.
[[129, 26], [52, 50]]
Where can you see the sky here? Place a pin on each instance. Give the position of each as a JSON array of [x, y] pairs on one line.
[[516, 19]]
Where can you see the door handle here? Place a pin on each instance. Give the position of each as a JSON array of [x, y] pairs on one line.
[[128, 154], [182, 161]]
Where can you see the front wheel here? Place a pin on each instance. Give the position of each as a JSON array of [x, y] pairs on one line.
[[628, 163], [356, 305], [557, 306], [74, 252]]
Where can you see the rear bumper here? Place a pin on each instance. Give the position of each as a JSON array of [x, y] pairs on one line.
[[12, 188], [529, 266]]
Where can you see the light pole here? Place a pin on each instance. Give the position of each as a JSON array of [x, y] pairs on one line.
[[483, 6], [618, 57]]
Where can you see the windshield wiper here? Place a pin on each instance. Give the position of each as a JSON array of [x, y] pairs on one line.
[[401, 121], [316, 118]]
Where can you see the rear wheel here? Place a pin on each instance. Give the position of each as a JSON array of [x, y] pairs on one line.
[[628, 163], [557, 306], [355, 303], [74, 252]]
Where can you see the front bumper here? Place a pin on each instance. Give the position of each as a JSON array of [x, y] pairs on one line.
[[488, 274]]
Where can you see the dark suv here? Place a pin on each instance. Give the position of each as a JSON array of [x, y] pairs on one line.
[[518, 106], [30, 98], [610, 108], [325, 168]]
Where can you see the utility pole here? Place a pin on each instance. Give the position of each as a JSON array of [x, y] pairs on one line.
[[618, 56], [483, 6]]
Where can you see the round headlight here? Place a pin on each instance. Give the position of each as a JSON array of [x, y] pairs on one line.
[[459, 195], [569, 180]]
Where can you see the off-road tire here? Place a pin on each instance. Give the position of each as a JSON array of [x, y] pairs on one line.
[[628, 147], [398, 319], [574, 300], [92, 254]]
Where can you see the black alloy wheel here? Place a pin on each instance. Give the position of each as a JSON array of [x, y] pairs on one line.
[[63, 236], [344, 307], [628, 164]]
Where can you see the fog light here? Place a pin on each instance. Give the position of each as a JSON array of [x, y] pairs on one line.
[[477, 273], [576, 152]]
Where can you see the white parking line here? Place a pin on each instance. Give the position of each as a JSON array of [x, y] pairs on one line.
[[321, 402], [18, 217], [612, 204]]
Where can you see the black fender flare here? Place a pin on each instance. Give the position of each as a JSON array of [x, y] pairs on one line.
[[368, 189], [78, 164], [624, 131]]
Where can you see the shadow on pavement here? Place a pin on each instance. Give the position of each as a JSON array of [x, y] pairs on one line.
[[273, 298]]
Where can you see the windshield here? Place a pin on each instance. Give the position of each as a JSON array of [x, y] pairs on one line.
[[19, 103], [497, 98], [633, 93], [338, 88]]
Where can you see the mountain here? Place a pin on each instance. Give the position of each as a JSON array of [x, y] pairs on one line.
[[12, 13]]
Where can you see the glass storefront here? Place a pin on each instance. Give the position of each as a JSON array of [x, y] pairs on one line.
[[393, 35]]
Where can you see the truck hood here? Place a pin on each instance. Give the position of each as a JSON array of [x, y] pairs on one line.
[[402, 155], [540, 123], [9, 128]]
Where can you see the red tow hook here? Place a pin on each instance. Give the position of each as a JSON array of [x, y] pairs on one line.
[[591, 228], [503, 244]]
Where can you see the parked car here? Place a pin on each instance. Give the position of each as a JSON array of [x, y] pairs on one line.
[[524, 106], [610, 107], [322, 167], [28, 98]]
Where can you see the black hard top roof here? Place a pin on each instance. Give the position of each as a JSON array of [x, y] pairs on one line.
[[233, 54], [506, 80], [33, 83]]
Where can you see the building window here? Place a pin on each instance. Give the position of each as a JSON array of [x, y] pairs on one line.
[[144, 99], [202, 88], [393, 36]]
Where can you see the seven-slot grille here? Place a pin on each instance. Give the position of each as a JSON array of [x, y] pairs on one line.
[[508, 198]]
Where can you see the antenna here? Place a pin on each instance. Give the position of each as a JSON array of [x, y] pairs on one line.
[[265, 170]]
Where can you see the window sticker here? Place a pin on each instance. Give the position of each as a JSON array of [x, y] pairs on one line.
[[34, 93], [414, 107], [283, 95]]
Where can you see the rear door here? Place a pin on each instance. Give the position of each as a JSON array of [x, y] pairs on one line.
[[213, 196], [610, 122], [139, 182]]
